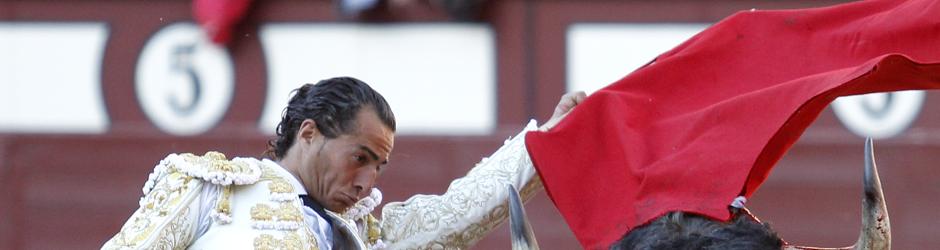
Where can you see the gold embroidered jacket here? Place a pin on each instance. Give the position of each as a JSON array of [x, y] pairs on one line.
[[256, 207]]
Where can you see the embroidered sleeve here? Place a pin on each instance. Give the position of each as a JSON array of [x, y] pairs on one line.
[[471, 207], [170, 210], [167, 215]]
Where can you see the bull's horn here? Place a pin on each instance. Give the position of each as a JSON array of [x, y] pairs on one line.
[[876, 228], [522, 236]]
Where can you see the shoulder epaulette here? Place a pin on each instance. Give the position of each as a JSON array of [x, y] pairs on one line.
[[212, 167]]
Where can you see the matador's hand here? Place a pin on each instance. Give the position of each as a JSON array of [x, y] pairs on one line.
[[565, 105]]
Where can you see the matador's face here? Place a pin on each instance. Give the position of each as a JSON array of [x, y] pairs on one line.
[[338, 172]]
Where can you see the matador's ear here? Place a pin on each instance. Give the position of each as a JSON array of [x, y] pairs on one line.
[[307, 130]]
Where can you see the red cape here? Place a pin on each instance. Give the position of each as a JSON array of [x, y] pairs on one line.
[[708, 120]]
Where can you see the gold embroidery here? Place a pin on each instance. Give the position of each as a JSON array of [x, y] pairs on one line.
[[291, 241], [268, 173], [162, 203], [162, 222], [265, 242], [213, 155], [279, 185], [214, 167], [287, 212], [218, 163], [224, 206], [177, 234], [373, 231], [262, 212]]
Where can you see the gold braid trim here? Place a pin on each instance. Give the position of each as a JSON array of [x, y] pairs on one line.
[[215, 168], [162, 221], [291, 241], [373, 229]]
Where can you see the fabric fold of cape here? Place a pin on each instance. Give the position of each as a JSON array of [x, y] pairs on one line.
[[707, 120]]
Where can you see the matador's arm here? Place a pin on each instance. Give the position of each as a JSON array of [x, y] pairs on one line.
[[471, 207], [171, 210], [167, 215]]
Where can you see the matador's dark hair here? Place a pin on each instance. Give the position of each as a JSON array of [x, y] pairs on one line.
[[333, 104], [678, 230]]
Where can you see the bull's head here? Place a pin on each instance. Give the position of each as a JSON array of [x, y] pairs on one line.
[[875, 233]]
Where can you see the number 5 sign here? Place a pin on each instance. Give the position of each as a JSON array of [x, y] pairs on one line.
[[184, 83]]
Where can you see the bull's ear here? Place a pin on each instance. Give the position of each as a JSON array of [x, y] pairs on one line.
[[876, 227], [523, 238]]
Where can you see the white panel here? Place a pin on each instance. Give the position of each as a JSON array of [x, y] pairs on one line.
[[879, 115], [50, 77], [600, 54], [438, 78]]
